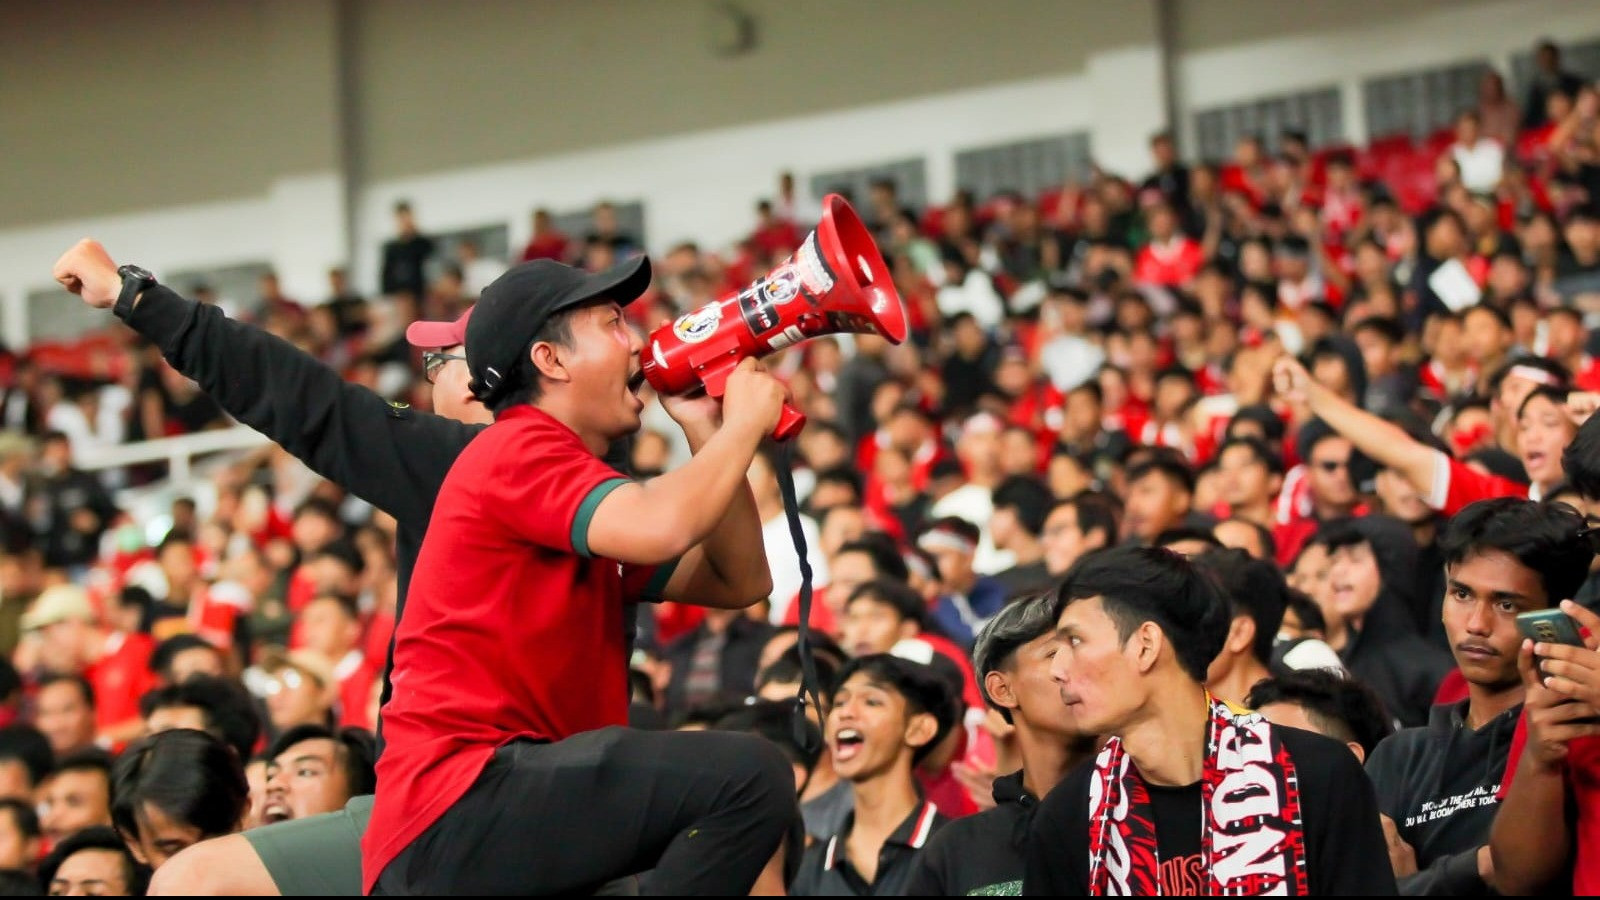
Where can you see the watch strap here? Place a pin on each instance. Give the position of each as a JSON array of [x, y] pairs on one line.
[[134, 281]]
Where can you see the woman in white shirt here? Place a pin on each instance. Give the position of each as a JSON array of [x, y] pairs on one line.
[[1481, 159]]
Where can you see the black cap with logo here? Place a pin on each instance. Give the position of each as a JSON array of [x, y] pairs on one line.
[[516, 305]]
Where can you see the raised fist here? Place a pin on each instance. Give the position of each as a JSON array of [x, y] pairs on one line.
[[88, 271]]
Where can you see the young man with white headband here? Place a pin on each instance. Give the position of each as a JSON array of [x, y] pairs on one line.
[[968, 599], [1445, 483]]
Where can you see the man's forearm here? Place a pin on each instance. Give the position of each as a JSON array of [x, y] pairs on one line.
[[734, 549], [1382, 441], [673, 513], [1529, 840]]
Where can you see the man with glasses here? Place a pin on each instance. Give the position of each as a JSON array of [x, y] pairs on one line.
[[1074, 527]]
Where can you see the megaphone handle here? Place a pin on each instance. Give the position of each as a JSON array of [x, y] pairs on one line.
[[790, 421]]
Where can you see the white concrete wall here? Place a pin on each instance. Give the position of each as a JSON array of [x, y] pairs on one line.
[[704, 186]]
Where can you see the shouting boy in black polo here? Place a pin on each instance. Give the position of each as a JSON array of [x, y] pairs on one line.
[[505, 770], [887, 713]]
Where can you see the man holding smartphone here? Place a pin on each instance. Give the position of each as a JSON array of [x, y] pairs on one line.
[[1550, 806], [1436, 784]]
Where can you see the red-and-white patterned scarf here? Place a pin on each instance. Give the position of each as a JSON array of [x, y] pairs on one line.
[[1251, 838]]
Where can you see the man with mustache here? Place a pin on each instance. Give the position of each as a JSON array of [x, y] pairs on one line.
[[1437, 783]]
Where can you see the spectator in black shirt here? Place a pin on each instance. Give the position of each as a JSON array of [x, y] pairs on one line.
[[983, 854], [72, 508], [1548, 78], [1077, 526], [349, 308], [718, 658], [887, 714], [1257, 596], [1436, 783], [1021, 505], [406, 256], [1326, 702], [1138, 628], [1171, 177], [969, 371]]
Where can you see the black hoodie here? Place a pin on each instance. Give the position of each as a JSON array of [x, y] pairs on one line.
[[979, 854], [1355, 365], [1386, 652], [1439, 784]]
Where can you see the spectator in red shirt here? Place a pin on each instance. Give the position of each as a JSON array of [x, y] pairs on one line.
[[331, 627], [1171, 258], [1566, 342], [510, 665], [773, 237], [1252, 476], [116, 664], [1247, 175], [547, 242]]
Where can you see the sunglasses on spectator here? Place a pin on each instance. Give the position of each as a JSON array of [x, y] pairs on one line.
[[1332, 465], [433, 361]]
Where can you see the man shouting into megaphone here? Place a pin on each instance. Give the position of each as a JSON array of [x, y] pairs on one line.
[[617, 809], [506, 769]]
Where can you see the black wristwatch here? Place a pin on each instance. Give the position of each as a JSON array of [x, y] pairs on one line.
[[134, 280]]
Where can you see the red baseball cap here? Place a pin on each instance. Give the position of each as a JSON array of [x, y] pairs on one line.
[[436, 335]]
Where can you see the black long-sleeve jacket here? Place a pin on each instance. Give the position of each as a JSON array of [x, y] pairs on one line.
[[389, 455]]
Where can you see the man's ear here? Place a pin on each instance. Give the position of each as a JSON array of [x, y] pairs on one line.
[[1241, 634], [998, 687], [1361, 755], [1149, 643], [921, 730], [909, 629], [547, 361]]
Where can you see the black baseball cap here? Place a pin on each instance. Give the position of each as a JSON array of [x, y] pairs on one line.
[[513, 308]]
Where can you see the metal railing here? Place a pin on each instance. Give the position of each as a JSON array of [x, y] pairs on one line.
[[178, 452]]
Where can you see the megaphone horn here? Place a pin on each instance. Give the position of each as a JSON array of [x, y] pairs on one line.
[[835, 282]]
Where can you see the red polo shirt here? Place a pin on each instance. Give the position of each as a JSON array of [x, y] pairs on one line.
[[120, 677], [511, 630]]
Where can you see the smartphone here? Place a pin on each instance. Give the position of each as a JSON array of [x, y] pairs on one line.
[[1550, 626]]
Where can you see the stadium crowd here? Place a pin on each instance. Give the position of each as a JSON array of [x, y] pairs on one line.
[[1352, 386]]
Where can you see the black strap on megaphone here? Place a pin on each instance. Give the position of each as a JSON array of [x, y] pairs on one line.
[[808, 665]]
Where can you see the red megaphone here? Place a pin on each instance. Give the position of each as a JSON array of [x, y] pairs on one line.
[[835, 282]]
